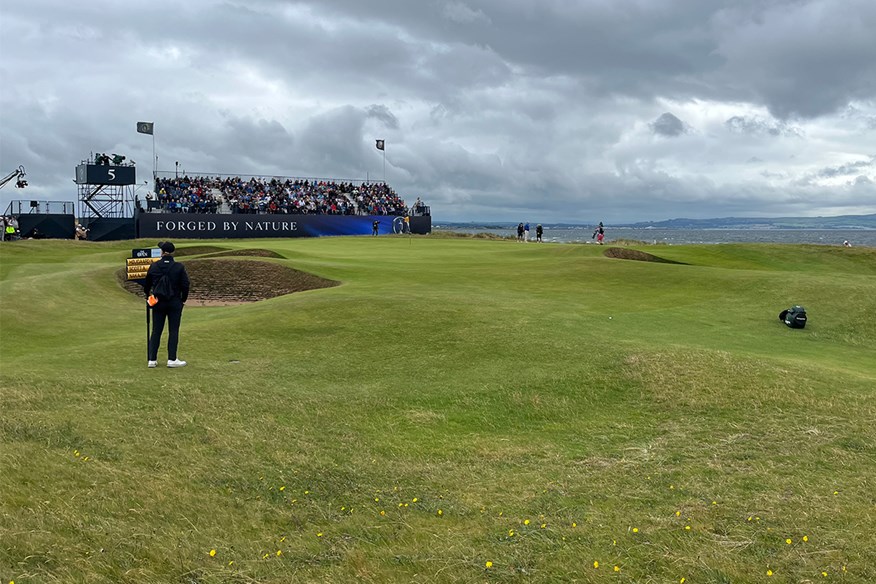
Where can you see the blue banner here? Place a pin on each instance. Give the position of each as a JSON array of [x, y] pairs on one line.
[[222, 226]]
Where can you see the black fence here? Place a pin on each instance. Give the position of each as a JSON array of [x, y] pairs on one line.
[[28, 207]]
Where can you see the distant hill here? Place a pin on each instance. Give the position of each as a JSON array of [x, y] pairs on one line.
[[838, 222]]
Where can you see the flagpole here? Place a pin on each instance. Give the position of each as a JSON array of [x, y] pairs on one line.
[[384, 163]]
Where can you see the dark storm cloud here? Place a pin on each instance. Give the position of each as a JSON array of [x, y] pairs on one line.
[[668, 125]]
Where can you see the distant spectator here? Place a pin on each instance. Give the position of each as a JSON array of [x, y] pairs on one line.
[[539, 231], [526, 232], [375, 227], [520, 232], [599, 233]]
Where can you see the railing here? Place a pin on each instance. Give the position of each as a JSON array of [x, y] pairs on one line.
[[41, 207]]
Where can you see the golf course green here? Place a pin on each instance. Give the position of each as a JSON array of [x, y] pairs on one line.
[[454, 410]]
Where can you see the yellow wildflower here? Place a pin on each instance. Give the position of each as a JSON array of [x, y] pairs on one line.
[[526, 522], [489, 564], [212, 553], [596, 564]]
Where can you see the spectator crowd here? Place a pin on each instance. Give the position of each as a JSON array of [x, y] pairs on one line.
[[289, 196]]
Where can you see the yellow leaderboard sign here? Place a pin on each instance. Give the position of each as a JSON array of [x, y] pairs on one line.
[[136, 268]]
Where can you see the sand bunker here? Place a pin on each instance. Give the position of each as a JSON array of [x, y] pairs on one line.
[[222, 282]]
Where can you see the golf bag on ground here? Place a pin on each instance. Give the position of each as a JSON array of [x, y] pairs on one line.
[[794, 317]]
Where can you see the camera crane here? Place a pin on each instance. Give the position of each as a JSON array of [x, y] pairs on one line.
[[17, 173]]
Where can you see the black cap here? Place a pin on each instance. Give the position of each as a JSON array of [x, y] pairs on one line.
[[166, 246]]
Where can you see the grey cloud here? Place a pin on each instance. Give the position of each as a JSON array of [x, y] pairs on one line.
[[847, 169], [668, 125], [384, 114], [461, 13], [799, 58], [760, 126]]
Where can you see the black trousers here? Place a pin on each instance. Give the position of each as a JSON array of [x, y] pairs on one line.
[[172, 312]]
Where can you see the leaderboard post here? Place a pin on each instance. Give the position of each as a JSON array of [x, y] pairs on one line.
[[138, 264]]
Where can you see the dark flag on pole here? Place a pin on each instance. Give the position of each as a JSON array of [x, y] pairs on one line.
[[145, 127], [379, 144]]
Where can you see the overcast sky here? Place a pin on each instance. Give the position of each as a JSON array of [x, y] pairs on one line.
[[512, 110]]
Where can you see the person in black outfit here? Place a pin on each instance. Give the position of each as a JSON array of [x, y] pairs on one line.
[[172, 295], [375, 226]]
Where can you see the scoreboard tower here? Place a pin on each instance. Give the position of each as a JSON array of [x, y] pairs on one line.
[[105, 190]]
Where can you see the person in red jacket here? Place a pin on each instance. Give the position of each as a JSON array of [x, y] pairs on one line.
[[168, 282]]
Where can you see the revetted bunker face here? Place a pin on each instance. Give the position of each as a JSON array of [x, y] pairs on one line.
[[218, 282], [623, 253]]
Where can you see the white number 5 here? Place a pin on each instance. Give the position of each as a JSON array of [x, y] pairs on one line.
[[112, 173]]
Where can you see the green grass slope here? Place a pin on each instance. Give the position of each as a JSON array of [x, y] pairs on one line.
[[456, 411]]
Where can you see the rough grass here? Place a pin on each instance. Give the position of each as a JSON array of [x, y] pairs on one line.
[[455, 402]]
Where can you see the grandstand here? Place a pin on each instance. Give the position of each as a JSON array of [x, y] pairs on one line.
[[277, 195]]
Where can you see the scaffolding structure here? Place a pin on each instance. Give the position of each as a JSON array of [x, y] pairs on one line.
[[105, 191]]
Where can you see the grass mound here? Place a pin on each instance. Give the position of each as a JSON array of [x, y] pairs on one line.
[[193, 250], [222, 282], [257, 253], [623, 253]]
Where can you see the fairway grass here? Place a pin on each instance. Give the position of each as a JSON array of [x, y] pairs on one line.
[[457, 410]]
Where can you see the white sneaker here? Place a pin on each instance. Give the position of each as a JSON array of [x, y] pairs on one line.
[[176, 363], [152, 364]]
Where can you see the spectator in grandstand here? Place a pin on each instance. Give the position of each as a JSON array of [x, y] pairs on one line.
[[276, 196]]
